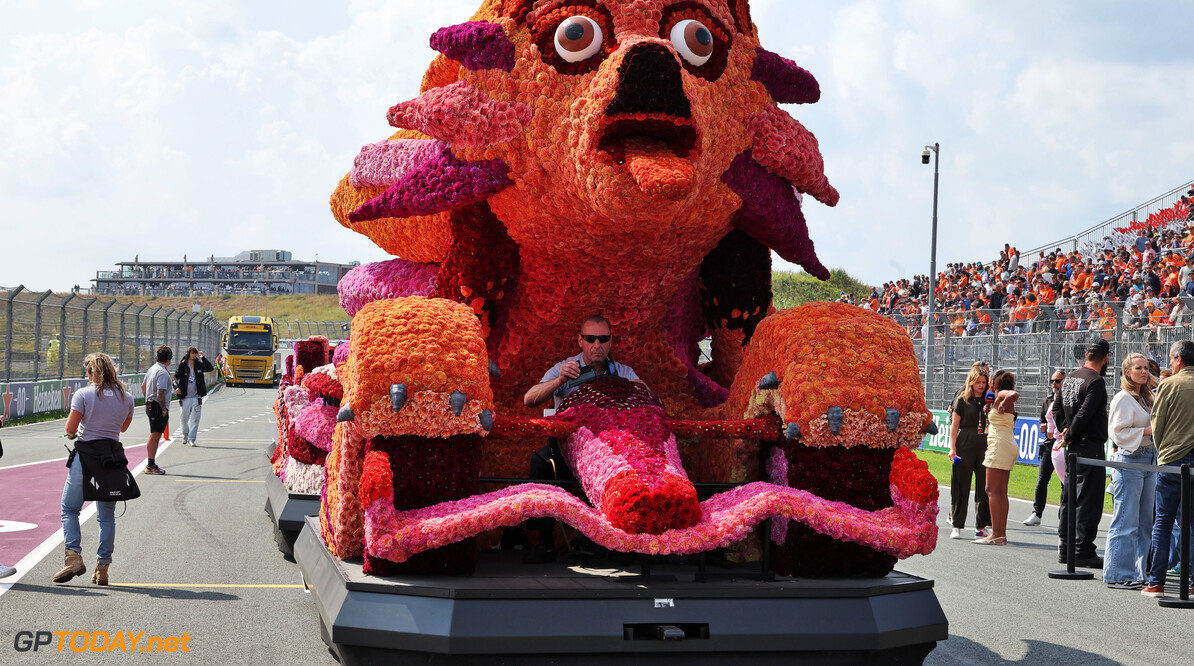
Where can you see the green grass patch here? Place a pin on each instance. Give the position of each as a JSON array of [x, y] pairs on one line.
[[1022, 483], [36, 418], [793, 289]]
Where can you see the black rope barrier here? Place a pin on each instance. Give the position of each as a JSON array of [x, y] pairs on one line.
[[1071, 573]]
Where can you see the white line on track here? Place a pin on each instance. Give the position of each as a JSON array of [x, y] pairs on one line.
[[36, 462], [46, 547]]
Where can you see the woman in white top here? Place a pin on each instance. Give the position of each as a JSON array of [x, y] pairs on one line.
[[1129, 537]]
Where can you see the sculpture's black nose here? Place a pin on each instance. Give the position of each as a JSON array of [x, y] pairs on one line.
[[649, 82]]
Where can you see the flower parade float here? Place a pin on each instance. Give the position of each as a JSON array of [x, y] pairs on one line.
[[309, 395], [627, 158]]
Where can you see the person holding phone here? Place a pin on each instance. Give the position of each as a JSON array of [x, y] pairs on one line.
[[596, 342]]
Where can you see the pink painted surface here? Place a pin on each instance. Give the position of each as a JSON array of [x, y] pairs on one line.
[[33, 494]]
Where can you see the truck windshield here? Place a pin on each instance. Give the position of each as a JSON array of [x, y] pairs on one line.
[[255, 341]]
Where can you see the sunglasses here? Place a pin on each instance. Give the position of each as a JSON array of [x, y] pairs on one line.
[[596, 338], [1055, 381]]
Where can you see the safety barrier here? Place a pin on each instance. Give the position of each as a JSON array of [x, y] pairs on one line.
[[1070, 573]]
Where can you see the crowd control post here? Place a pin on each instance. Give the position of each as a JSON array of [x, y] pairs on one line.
[[1183, 600], [1071, 514]]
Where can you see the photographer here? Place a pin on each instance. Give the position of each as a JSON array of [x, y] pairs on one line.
[[192, 388], [596, 342]]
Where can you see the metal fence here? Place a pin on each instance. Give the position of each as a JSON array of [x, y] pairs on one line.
[[1033, 349], [1094, 236], [46, 335]]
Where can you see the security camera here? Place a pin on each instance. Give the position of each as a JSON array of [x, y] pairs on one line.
[[924, 156]]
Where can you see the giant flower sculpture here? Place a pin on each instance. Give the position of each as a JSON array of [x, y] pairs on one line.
[[627, 158]]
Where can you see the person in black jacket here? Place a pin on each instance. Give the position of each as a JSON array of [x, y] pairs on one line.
[[191, 390], [1081, 415]]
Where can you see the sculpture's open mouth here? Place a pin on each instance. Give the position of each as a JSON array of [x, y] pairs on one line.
[[646, 133], [655, 148]]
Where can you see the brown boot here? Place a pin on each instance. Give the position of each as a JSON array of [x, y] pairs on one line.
[[72, 567], [100, 577]]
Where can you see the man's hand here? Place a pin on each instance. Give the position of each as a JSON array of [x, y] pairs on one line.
[[570, 370]]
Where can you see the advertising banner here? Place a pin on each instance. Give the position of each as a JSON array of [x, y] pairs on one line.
[[1028, 438], [22, 399]]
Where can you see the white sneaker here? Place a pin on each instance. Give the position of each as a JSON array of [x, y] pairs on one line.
[[955, 533], [6, 571], [192, 443], [1032, 519]]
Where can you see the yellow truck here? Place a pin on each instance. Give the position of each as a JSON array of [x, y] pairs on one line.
[[249, 352]]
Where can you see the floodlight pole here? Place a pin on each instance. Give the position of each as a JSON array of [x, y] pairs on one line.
[[936, 148]]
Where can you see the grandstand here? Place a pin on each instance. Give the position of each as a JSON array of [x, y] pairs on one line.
[[1129, 280]]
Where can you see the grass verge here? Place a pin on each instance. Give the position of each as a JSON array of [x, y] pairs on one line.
[[1022, 483]]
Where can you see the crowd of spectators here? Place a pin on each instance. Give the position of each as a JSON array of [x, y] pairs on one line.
[[1146, 272]]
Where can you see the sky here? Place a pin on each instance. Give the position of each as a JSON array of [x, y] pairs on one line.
[[165, 127]]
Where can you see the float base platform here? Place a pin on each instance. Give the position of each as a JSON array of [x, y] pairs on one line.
[[288, 511], [560, 613]]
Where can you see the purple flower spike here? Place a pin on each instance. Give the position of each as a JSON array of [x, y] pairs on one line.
[[787, 82], [441, 184], [771, 214], [476, 45]]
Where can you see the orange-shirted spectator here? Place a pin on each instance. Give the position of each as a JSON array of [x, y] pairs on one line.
[[1172, 285], [957, 323], [1081, 279], [984, 321], [1106, 317], [1046, 293], [1033, 307], [1156, 316]]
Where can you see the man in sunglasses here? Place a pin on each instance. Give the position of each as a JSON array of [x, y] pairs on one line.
[[596, 341], [548, 464]]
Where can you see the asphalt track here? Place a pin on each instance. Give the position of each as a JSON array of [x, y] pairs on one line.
[[196, 555]]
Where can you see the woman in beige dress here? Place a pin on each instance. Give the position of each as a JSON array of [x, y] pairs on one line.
[[1001, 453]]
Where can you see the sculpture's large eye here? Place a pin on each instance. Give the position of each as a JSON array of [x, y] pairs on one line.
[[578, 38], [693, 41]]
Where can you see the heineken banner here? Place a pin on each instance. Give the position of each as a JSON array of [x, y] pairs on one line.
[[23, 399]]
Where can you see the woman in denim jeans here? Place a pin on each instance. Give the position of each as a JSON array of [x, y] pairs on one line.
[[1130, 535], [104, 410]]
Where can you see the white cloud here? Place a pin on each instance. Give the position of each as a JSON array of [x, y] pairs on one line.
[[163, 128]]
